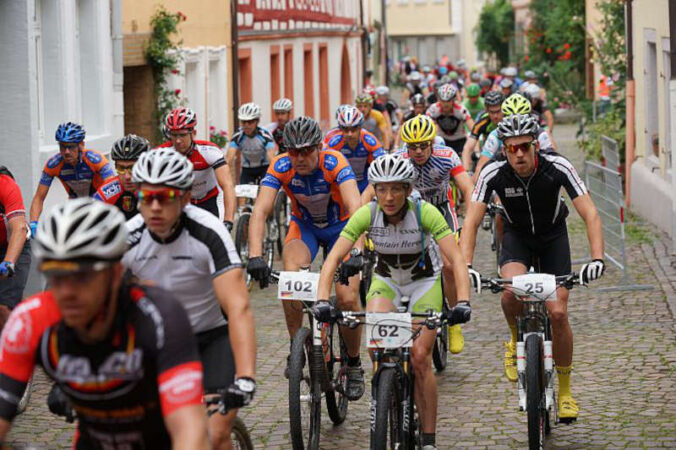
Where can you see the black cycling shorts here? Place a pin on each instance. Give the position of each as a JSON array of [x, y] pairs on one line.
[[252, 175], [210, 204], [457, 144], [450, 216], [218, 361], [547, 254]]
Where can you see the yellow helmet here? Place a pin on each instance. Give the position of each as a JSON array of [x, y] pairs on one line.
[[418, 129], [516, 104]]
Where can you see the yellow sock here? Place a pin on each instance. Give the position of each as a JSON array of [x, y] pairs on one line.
[[564, 379], [512, 330]]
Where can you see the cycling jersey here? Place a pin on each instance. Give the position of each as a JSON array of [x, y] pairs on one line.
[[186, 262], [474, 108], [368, 148], [450, 126], [277, 134], [11, 206], [483, 125], [315, 198], [329, 134], [493, 144], [205, 157], [375, 123], [253, 148], [92, 176], [391, 107], [400, 247], [127, 203], [533, 205], [121, 388]]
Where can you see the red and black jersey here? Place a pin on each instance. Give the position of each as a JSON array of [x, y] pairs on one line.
[[120, 388], [11, 205]]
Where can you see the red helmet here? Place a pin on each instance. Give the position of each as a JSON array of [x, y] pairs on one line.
[[180, 119]]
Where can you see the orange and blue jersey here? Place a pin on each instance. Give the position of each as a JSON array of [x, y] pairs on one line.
[[317, 208], [92, 176], [368, 149]]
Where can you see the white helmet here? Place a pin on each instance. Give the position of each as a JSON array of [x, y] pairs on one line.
[[84, 230], [163, 166], [510, 71], [447, 92], [391, 168], [281, 105], [533, 90], [249, 111], [414, 76], [382, 90]]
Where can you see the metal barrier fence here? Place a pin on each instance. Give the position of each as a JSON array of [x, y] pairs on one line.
[[605, 186]]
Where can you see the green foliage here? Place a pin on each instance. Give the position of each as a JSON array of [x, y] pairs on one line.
[[219, 138], [609, 49], [163, 57], [495, 30], [612, 124]]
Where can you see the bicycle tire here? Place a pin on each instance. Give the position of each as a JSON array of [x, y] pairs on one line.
[[269, 245], [495, 242], [281, 219], [388, 414], [440, 350], [336, 401], [535, 392], [242, 244], [300, 364], [365, 283], [240, 437], [25, 398]]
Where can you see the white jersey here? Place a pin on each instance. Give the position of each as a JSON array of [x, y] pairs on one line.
[[185, 263]]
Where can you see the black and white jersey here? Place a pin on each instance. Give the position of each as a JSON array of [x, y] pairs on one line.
[[186, 262], [533, 205]]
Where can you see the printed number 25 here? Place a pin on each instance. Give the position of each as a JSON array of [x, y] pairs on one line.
[[535, 288]]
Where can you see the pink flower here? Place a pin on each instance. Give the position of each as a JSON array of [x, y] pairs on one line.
[[223, 133], [177, 91], [212, 128], [175, 71]]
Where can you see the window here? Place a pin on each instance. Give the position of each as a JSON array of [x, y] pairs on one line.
[[245, 74], [275, 92], [324, 100], [51, 76], [217, 95], [308, 66], [651, 129], [288, 72]]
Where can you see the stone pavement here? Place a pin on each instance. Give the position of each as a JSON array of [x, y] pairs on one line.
[[624, 378]]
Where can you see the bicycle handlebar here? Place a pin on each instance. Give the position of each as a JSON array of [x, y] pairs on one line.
[[500, 284]]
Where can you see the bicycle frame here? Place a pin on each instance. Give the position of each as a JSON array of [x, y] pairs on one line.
[[402, 365]]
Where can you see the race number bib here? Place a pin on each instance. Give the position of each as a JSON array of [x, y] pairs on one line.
[[246, 190], [388, 330], [298, 286], [540, 285]]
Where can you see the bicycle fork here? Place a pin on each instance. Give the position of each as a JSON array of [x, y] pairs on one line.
[[548, 366]]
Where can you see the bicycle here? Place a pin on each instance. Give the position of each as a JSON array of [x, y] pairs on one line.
[[366, 274], [282, 215], [534, 357], [317, 363], [490, 223], [240, 437], [394, 415], [272, 232]]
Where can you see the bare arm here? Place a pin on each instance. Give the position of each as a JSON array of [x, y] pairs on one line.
[[451, 250], [464, 183], [187, 427], [333, 259], [17, 239], [233, 297], [4, 429], [549, 118], [234, 159], [38, 201], [368, 194], [272, 151], [225, 182], [265, 202], [587, 210], [473, 218], [467, 151], [350, 194]]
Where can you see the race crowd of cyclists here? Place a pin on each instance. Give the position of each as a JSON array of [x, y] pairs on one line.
[[147, 316]]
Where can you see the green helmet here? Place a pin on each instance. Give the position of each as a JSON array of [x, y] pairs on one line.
[[453, 75], [473, 90], [516, 104]]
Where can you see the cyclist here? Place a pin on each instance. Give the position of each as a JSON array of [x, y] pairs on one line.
[[384, 103], [506, 86], [252, 147], [124, 154], [418, 106], [323, 193], [122, 352], [451, 118], [82, 172], [406, 267], [355, 143], [189, 252], [374, 121], [529, 184], [486, 85], [534, 94], [282, 109], [486, 122], [211, 172], [15, 257], [333, 131], [412, 87], [474, 103]]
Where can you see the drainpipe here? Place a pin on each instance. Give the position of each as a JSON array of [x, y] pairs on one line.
[[631, 104], [364, 37], [118, 69], [383, 12], [234, 63]]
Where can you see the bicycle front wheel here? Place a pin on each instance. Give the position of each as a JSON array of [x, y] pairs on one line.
[[388, 415], [535, 392], [240, 436], [281, 217], [336, 401], [440, 350], [305, 394], [242, 244]]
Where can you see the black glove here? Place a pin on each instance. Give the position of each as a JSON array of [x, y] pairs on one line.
[[592, 271], [59, 404], [259, 270], [351, 267], [240, 393], [228, 225], [324, 311], [460, 313]]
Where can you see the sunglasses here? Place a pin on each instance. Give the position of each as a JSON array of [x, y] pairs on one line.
[[163, 196], [524, 147], [301, 151], [122, 170], [418, 146]]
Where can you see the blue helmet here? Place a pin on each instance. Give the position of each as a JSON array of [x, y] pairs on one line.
[[70, 132]]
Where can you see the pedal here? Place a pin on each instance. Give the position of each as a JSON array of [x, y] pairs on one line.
[[567, 420]]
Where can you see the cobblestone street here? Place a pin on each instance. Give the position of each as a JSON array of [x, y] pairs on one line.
[[624, 375]]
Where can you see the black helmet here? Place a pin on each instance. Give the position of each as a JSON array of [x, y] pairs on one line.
[[302, 132], [129, 148], [493, 98]]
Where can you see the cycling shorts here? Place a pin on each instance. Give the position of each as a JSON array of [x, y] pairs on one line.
[[211, 204], [456, 144], [312, 236], [424, 294], [547, 254], [11, 289], [451, 217], [253, 175], [218, 361]]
